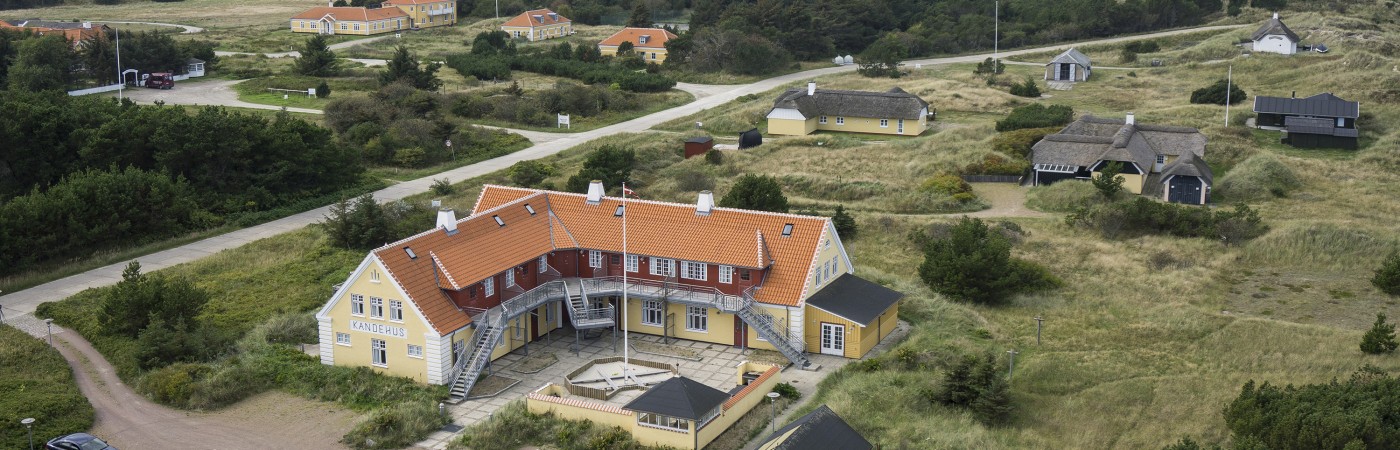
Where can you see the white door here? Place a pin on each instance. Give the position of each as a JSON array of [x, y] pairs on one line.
[[833, 339]]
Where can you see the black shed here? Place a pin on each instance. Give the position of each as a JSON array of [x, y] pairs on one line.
[[751, 138]]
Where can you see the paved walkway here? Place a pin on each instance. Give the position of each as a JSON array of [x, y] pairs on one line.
[[188, 29]]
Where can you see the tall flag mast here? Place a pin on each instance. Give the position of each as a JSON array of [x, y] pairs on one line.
[[626, 360]]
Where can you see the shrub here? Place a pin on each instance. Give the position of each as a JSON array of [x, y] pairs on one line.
[[989, 66], [1260, 177], [1147, 46], [974, 263], [173, 384], [1065, 196], [1380, 338], [361, 224], [441, 186], [610, 164], [1107, 182], [945, 184], [994, 164], [976, 383], [694, 181], [1036, 115], [845, 225], [1215, 94], [787, 391], [1387, 277], [1028, 89], [530, 173], [714, 157], [1019, 142], [1142, 216], [323, 90], [756, 192], [1318, 416], [139, 300], [1127, 56]]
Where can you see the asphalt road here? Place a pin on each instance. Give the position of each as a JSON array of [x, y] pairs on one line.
[[172, 429]]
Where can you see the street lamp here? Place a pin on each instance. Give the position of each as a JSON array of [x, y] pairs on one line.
[[29, 423], [772, 413], [448, 143], [49, 322]]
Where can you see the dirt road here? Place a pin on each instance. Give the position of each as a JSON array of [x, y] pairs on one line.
[[267, 421], [204, 92]]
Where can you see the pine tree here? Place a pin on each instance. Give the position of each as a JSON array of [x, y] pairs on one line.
[[641, 16], [316, 58], [1387, 277], [1107, 181], [993, 404], [957, 383], [404, 66], [1381, 337], [844, 223], [756, 192]]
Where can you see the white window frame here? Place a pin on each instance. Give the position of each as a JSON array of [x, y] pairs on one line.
[[373, 276], [510, 277], [697, 319], [1161, 159], [632, 263], [376, 308], [1341, 122], [395, 311], [650, 308], [884, 123], [415, 351], [490, 285], [544, 263], [595, 259], [726, 274], [342, 339], [691, 270], [379, 353], [901, 126], [821, 120], [663, 267], [357, 305], [663, 422], [840, 120]]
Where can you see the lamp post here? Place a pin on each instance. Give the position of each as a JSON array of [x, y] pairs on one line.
[[772, 412], [49, 322], [448, 143], [29, 423]]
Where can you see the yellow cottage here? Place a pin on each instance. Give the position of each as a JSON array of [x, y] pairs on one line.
[[440, 305], [649, 43], [797, 112], [538, 24], [427, 13], [1151, 157], [350, 20]]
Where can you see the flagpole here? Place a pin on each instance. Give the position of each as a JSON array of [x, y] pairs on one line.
[[1229, 81], [626, 360]]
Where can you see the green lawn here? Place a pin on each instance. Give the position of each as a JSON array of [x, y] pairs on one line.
[[35, 382]]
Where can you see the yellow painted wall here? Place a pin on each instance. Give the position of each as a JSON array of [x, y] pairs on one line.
[[440, 13], [813, 332], [872, 125], [358, 352], [791, 127], [829, 251], [519, 330], [541, 32], [366, 28], [611, 50], [720, 330], [1131, 182], [753, 398]]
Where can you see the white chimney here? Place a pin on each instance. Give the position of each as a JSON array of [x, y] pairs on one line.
[[447, 219], [1275, 16], [330, 3], [1129, 120], [595, 192], [811, 88], [705, 203], [87, 25]]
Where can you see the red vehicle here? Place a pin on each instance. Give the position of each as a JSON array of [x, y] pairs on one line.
[[160, 80]]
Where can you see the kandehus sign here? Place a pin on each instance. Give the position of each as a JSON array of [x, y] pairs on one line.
[[379, 328]]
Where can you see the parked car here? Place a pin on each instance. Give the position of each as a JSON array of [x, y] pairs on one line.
[[1320, 48], [78, 441], [160, 80]]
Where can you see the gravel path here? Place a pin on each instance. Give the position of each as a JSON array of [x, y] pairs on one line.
[[204, 93], [1007, 200]]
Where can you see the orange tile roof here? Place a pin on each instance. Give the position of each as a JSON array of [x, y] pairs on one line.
[[526, 19], [657, 39], [411, 2], [350, 14], [481, 248]]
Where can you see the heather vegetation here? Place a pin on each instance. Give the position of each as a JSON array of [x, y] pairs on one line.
[[35, 382]]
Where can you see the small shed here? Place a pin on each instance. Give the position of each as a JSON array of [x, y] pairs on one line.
[[697, 146], [1187, 180], [751, 138], [194, 67], [1069, 66], [1275, 37]]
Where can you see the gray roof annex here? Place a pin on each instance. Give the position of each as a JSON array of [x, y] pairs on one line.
[[1090, 139], [1072, 56], [1322, 105], [1274, 26]]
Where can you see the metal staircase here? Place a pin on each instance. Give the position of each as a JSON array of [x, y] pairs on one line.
[[793, 347], [478, 354]]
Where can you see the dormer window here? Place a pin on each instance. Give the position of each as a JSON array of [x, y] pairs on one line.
[[787, 230], [499, 222], [644, 39], [410, 253], [529, 209]]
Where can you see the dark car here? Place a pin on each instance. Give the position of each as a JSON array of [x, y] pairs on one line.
[[78, 441]]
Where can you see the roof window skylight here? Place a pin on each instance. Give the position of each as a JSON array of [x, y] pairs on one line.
[[499, 221], [618, 213], [787, 229], [530, 209], [410, 253]]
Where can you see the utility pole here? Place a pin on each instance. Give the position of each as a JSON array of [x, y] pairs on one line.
[[121, 78], [1012, 368], [1038, 320], [996, 34], [1229, 80]]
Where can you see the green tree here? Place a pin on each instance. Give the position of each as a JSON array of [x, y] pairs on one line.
[[1107, 181], [1215, 93], [358, 224], [42, 64], [610, 164], [1387, 277], [316, 58], [844, 223], [1380, 338], [882, 58], [323, 90], [1027, 89], [993, 404], [404, 66], [973, 263], [641, 16], [530, 173], [490, 43], [958, 388], [756, 192], [624, 48], [137, 300]]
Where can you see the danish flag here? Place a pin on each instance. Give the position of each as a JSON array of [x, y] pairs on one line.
[[629, 192]]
